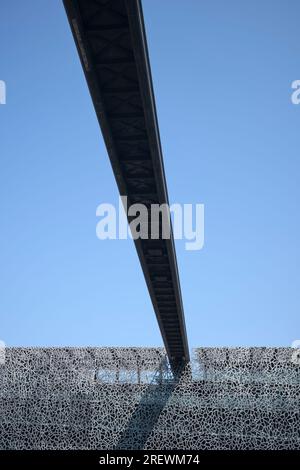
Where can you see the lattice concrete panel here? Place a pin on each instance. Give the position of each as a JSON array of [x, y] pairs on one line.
[[106, 398]]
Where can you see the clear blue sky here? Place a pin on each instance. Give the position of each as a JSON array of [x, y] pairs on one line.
[[222, 74]]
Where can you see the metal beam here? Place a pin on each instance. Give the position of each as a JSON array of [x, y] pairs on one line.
[[111, 42]]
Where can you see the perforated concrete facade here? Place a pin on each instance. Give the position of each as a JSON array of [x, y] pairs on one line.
[[106, 398]]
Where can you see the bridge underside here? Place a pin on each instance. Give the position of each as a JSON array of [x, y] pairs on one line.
[[111, 42]]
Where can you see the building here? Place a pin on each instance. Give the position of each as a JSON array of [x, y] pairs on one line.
[[128, 398]]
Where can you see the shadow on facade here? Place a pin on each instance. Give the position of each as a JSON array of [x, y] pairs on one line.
[[148, 410]]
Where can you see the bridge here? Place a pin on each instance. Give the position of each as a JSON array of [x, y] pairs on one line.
[[111, 43]]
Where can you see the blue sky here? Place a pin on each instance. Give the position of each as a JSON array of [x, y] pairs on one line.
[[222, 75]]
